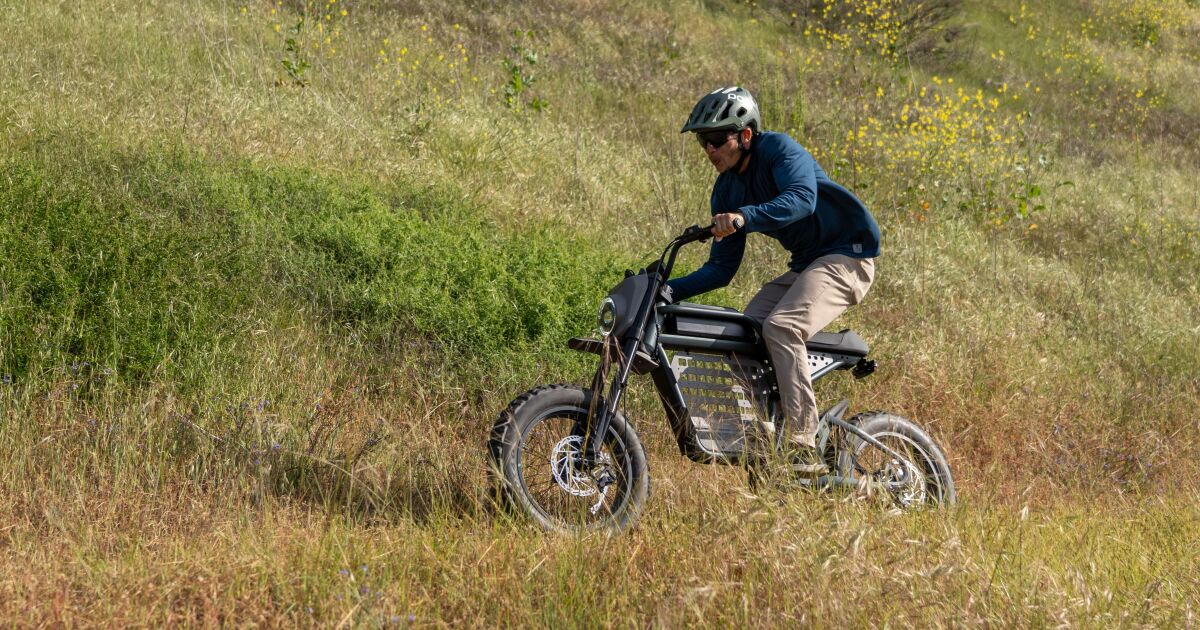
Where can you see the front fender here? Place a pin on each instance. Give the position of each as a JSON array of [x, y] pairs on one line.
[[642, 363]]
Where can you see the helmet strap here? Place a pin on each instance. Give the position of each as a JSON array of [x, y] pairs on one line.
[[745, 151]]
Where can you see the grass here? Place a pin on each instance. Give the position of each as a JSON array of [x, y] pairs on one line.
[[255, 324]]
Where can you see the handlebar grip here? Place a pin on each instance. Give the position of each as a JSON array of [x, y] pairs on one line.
[[697, 233], [738, 223]]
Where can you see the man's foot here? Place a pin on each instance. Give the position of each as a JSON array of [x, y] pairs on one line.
[[807, 461]]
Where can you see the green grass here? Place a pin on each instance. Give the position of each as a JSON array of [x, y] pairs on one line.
[[171, 256], [253, 334]]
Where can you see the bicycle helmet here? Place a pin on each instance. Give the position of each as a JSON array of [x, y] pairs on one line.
[[724, 108]]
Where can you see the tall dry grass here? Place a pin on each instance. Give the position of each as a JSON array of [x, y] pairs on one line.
[[255, 324]]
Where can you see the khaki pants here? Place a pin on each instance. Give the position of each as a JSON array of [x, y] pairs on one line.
[[794, 307]]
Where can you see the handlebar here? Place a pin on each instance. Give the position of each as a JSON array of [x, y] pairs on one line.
[[697, 233], [690, 235]]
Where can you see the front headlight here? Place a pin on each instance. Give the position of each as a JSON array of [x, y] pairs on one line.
[[606, 317]]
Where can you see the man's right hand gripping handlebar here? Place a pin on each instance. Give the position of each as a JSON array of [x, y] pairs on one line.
[[727, 223]]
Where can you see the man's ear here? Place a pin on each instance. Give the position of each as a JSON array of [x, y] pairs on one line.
[[744, 138]]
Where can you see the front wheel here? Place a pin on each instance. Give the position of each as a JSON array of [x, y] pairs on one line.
[[915, 472], [535, 446]]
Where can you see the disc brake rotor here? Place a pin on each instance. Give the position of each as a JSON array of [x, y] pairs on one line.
[[905, 480], [576, 482], [901, 476]]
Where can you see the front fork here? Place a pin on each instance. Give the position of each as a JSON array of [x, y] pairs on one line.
[[606, 407], [599, 417]]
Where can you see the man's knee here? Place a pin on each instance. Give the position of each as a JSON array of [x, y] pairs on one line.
[[781, 328]]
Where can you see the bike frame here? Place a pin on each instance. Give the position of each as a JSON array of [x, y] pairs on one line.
[[643, 349]]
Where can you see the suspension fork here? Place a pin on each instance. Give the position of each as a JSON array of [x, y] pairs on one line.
[[595, 432], [604, 409]]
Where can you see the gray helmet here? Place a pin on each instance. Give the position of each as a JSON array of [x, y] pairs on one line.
[[724, 108]]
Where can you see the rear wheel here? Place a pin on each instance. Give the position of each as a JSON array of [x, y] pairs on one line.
[[915, 473], [535, 450]]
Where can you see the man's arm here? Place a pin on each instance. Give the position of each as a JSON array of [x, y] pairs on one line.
[[723, 261], [795, 174]]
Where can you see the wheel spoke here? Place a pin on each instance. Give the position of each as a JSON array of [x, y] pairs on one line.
[[911, 478], [565, 495]]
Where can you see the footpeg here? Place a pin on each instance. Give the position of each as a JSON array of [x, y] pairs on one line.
[[863, 368]]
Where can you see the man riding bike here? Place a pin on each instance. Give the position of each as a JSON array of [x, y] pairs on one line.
[[768, 183]]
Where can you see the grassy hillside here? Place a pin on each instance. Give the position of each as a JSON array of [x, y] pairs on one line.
[[270, 269]]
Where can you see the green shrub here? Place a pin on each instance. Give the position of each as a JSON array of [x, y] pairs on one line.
[[158, 260]]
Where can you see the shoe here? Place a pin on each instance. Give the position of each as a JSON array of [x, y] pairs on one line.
[[807, 461]]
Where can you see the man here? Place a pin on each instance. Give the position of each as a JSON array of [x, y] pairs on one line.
[[768, 183]]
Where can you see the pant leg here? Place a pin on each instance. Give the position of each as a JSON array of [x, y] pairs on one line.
[[768, 296], [817, 295]]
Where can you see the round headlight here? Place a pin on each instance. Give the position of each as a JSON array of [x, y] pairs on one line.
[[606, 318]]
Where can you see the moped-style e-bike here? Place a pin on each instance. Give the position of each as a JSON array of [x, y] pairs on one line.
[[568, 457]]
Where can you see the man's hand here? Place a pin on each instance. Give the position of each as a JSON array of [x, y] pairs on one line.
[[726, 224]]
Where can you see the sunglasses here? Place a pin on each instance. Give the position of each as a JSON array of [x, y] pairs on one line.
[[714, 138]]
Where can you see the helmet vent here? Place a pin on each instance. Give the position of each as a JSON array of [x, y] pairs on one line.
[[725, 108]]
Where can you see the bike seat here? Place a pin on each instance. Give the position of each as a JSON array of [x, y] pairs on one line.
[[716, 322], [845, 342]]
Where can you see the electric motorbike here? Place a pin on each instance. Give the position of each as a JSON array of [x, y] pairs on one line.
[[568, 457]]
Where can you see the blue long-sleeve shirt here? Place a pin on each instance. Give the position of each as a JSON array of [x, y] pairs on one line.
[[786, 195]]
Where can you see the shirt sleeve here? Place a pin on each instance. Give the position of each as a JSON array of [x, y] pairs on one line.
[[795, 175], [723, 261]]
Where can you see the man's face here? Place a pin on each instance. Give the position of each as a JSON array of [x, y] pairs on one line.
[[721, 147]]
